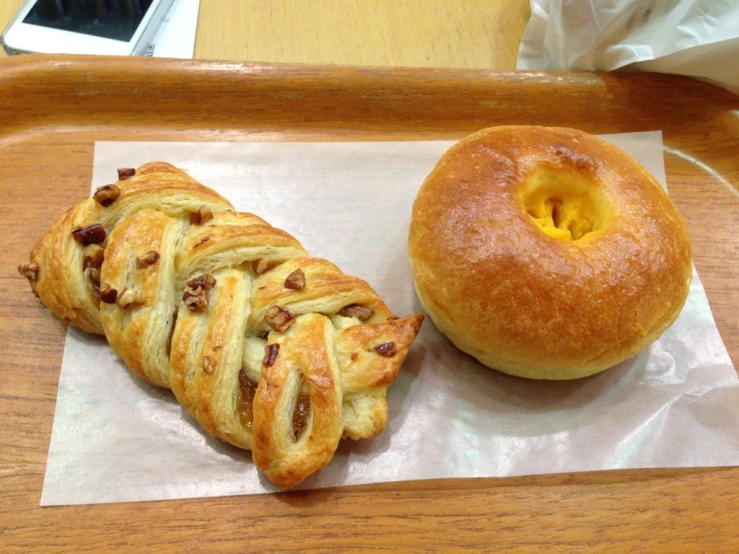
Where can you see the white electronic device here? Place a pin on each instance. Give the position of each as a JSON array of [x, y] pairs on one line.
[[101, 27]]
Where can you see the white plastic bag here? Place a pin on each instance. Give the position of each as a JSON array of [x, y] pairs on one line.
[[698, 38]]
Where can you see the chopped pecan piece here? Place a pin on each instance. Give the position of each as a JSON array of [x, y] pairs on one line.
[[107, 294], [94, 234], [296, 280], [125, 173], [360, 311], [195, 298], [207, 365], [203, 215], [147, 259], [106, 195], [29, 270], [94, 258], [387, 350], [130, 297], [279, 319], [270, 354], [204, 282], [264, 265], [263, 334], [194, 302], [95, 275]]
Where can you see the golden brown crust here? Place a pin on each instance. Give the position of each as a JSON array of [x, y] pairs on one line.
[[56, 287], [366, 375], [530, 304], [68, 292], [129, 331], [187, 293], [305, 359]]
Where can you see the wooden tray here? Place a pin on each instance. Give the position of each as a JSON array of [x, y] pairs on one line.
[[52, 110]]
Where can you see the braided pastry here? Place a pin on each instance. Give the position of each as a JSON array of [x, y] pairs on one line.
[[267, 348]]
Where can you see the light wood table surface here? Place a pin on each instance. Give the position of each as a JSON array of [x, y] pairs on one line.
[[417, 33]]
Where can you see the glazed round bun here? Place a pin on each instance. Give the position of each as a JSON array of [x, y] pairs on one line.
[[547, 253]]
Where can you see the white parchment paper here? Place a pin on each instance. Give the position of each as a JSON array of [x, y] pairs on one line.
[[115, 438]]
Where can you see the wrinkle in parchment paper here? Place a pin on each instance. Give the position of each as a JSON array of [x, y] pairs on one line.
[[116, 438]]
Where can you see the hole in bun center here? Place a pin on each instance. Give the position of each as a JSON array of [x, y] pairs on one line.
[[565, 206]]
